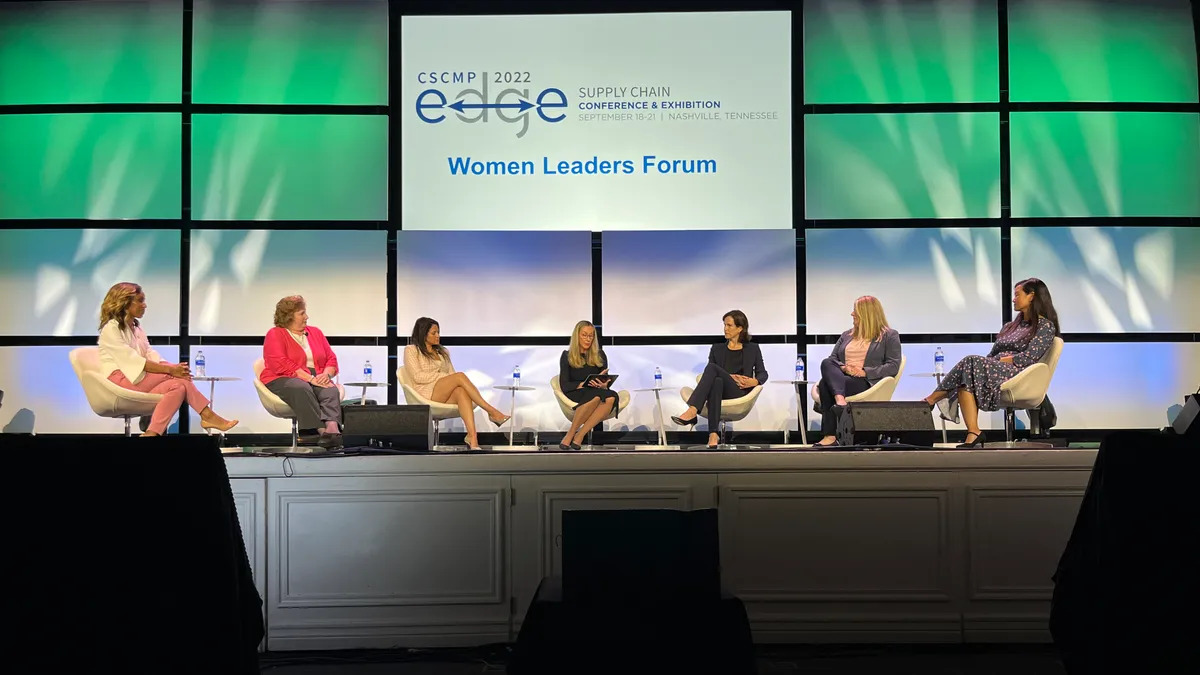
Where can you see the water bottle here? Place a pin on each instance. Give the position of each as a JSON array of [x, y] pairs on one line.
[[657, 378], [939, 361], [799, 368], [199, 364], [367, 371], [516, 376]]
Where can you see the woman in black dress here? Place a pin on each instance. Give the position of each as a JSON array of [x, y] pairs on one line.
[[974, 383], [581, 371], [734, 367]]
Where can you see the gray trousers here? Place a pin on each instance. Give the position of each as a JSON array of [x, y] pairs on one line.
[[313, 405]]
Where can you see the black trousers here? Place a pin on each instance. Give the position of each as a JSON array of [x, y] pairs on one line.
[[833, 383], [715, 385]]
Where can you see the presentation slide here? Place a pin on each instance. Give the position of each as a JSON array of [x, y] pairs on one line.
[[597, 122]]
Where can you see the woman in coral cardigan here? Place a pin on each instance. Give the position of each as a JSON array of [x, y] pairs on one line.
[[299, 367]]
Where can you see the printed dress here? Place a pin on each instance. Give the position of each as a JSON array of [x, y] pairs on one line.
[[1025, 342]]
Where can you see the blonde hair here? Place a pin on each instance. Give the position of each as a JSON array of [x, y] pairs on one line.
[[576, 358], [116, 304], [872, 322], [286, 308]]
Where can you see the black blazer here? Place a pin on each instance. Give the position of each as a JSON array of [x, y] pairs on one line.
[[752, 361], [883, 356], [570, 378]]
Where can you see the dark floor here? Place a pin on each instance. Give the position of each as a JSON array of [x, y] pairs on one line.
[[780, 660]]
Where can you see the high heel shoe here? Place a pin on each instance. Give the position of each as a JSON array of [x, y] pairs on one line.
[[685, 423], [563, 447], [980, 439], [501, 422]]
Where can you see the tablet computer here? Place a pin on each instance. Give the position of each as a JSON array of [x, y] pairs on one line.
[[607, 376]]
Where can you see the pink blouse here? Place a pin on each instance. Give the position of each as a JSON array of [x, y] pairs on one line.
[[856, 352]]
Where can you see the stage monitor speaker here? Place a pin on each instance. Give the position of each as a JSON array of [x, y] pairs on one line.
[[640, 557], [394, 427], [886, 422]]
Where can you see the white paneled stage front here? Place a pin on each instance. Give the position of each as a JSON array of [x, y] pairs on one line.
[[835, 547]]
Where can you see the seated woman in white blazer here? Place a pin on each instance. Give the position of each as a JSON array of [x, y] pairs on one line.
[[131, 363], [429, 368]]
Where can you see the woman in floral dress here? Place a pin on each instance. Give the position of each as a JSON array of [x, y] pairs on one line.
[[974, 383]]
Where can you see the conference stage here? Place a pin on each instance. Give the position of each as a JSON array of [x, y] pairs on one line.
[[448, 549]]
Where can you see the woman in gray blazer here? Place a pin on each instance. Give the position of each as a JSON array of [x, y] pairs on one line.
[[863, 355]]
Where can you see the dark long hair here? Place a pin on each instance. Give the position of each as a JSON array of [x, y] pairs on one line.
[[740, 320], [420, 330], [1043, 304]]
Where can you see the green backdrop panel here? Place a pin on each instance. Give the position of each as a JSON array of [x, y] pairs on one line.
[[1101, 51], [90, 165], [1105, 164], [91, 52], [313, 52], [913, 51], [289, 167], [904, 165]]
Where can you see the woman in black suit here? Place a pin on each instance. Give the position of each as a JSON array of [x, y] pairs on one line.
[[734, 367], [581, 371], [863, 355]]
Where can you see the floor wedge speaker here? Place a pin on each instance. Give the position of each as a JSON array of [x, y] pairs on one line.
[[396, 427], [886, 422]]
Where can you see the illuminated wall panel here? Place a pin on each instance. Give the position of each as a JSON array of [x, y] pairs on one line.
[[1115, 279], [651, 281], [98, 166], [290, 52], [1078, 164], [930, 280], [912, 51], [237, 276], [905, 165], [118, 51], [289, 167], [1101, 51], [55, 280]]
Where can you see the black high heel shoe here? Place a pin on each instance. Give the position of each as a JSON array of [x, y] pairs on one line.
[[980, 439], [685, 423]]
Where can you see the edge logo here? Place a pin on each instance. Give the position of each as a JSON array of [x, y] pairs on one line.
[[546, 105]]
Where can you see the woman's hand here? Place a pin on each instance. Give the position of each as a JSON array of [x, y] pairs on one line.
[[179, 370], [322, 381], [1006, 359], [598, 383]]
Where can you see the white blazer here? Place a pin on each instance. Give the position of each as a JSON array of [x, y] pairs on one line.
[[125, 350]]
